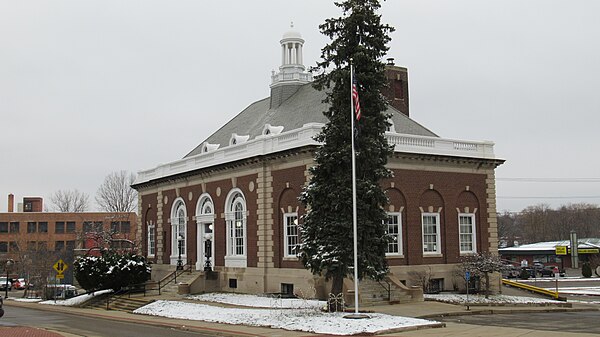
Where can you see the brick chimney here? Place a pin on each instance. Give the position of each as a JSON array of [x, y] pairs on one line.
[[11, 203], [397, 90]]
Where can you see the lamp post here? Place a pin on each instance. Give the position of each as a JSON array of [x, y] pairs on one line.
[[9, 264], [207, 251], [179, 262]]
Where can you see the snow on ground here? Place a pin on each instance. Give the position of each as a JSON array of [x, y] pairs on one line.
[[309, 320], [560, 279], [480, 299], [24, 299], [259, 301], [591, 291], [76, 300]]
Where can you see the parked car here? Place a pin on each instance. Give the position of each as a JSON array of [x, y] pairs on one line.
[[5, 283], [19, 283], [60, 291], [15, 283], [510, 271], [546, 271], [24, 284], [525, 273]]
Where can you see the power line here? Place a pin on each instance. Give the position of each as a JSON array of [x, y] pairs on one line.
[[551, 180], [551, 197]]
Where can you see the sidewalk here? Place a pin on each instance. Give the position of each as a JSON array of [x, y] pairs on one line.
[[427, 309]]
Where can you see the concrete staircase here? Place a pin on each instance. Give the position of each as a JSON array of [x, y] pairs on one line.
[[172, 287], [126, 303], [388, 291]]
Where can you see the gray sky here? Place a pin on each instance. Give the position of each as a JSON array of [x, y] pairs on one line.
[[91, 87]]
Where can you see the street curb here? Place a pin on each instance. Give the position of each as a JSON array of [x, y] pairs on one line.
[[408, 328], [506, 311], [183, 327]]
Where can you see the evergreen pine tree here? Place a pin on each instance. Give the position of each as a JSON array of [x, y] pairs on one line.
[[327, 228]]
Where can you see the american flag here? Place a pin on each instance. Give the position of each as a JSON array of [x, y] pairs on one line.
[[355, 97]]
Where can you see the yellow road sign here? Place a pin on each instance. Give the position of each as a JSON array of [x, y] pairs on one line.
[[60, 266], [60, 276]]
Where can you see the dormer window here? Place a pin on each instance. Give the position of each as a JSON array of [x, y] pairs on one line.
[[207, 147], [269, 129], [237, 139], [390, 127]]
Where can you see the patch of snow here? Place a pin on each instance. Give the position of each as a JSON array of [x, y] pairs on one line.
[[299, 320], [23, 299], [480, 299], [592, 291], [258, 301], [78, 299]]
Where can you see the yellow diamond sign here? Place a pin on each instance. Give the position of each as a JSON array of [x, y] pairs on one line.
[[60, 266]]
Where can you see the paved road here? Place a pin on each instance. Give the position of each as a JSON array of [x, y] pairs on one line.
[[84, 326], [579, 322]]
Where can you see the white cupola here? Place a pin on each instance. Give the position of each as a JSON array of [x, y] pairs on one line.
[[292, 73]]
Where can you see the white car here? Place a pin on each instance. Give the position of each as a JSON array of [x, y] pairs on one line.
[[5, 283]]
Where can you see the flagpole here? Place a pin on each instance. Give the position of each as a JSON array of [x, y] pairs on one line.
[[354, 222]]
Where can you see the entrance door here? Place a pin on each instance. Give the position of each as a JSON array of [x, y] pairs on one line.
[[206, 249]]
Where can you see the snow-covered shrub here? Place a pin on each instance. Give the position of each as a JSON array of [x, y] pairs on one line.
[[111, 271]]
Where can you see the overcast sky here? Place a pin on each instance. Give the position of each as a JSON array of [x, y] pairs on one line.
[[92, 87]]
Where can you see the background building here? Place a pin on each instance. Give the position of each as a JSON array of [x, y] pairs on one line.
[[553, 253], [35, 240]]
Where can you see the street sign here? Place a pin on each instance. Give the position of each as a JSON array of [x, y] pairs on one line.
[[468, 275], [60, 276], [60, 266]]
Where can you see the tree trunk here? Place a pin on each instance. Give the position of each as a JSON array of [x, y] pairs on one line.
[[487, 285], [335, 301]]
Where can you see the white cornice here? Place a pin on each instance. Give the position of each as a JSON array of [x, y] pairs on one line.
[[304, 136]]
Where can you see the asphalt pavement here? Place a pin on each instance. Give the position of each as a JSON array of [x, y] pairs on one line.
[[426, 309]]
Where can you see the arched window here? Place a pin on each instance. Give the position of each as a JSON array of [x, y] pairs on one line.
[[235, 217], [178, 231]]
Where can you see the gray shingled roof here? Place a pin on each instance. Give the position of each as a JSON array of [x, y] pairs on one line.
[[305, 106]]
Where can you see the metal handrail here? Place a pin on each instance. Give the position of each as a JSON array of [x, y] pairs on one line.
[[388, 288], [542, 291], [172, 276]]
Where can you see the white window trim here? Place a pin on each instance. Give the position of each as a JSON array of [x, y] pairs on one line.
[[399, 235], [235, 260], [438, 241], [204, 218], [174, 239], [286, 247], [474, 233], [151, 243]]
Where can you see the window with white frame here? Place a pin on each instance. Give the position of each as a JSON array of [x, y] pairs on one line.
[[431, 233], [394, 231], [236, 223], [291, 239], [466, 224], [151, 239], [178, 229]]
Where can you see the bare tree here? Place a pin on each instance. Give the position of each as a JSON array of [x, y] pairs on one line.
[[421, 278], [69, 201], [115, 194], [482, 264]]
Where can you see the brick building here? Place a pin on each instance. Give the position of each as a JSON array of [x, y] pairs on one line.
[[233, 200], [31, 233]]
